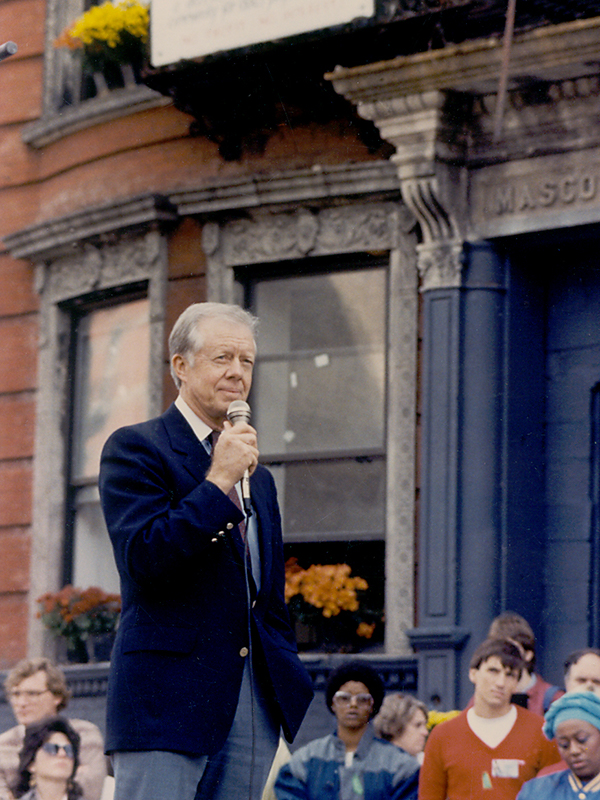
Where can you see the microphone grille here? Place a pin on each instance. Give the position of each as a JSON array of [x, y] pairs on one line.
[[238, 411]]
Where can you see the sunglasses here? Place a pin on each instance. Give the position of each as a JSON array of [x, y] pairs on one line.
[[54, 749], [345, 698]]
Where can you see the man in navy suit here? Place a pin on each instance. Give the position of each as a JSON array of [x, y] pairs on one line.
[[204, 672]]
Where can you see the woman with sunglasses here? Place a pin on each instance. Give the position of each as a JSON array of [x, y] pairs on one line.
[[48, 761]]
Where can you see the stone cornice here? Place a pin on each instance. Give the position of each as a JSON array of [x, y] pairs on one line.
[[118, 103], [282, 190], [53, 237], [549, 53], [288, 188]]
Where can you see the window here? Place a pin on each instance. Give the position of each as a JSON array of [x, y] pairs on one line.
[[74, 97], [111, 371], [318, 404]]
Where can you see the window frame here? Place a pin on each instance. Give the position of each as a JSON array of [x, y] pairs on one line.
[[60, 71], [249, 278], [77, 310], [66, 279], [276, 235]]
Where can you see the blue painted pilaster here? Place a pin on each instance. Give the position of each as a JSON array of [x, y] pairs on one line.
[[460, 512]]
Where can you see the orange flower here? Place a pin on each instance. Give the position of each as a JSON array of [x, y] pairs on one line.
[[366, 630], [328, 587], [78, 613]]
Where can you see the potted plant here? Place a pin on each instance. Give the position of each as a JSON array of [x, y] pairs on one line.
[[112, 40], [83, 618], [325, 602]]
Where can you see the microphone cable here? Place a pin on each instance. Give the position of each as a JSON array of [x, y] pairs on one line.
[[247, 570]]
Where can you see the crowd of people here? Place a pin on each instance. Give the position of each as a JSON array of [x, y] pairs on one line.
[[47, 755], [519, 738]]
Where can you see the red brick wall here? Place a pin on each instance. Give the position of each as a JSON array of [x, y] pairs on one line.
[[20, 102]]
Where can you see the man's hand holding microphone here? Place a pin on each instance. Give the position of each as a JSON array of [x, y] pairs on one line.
[[235, 454]]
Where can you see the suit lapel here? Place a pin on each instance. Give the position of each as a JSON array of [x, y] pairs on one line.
[[184, 441], [195, 459]]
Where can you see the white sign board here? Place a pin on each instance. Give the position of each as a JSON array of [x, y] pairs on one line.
[[192, 28]]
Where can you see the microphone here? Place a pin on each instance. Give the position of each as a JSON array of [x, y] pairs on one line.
[[7, 49], [239, 411]]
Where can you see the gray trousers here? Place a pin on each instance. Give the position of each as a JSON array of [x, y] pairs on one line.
[[237, 772]]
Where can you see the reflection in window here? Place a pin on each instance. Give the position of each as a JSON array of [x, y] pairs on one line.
[[339, 499], [111, 389]]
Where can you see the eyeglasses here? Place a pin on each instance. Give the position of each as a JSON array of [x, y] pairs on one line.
[[26, 694], [54, 749], [345, 698]]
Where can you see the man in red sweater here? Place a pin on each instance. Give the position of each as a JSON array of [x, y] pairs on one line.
[[491, 749], [536, 693]]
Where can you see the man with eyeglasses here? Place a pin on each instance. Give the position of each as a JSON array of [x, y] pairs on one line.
[[352, 763], [36, 689]]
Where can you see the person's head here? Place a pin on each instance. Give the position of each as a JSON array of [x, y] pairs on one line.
[[36, 689], [515, 627], [582, 671], [402, 720], [354, 694], [574, 721], [212, 351], [50, 754], [495, 669]]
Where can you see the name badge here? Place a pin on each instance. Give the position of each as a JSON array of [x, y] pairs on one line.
[[506, 767]]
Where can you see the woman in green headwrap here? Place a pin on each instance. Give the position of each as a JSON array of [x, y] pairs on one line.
[[574, 722]]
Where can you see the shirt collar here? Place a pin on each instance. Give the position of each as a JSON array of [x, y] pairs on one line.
[[200, 428]]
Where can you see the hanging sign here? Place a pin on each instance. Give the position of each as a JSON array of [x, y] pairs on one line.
[[192, 28]]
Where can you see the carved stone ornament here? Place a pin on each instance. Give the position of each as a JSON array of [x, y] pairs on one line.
[[116, 263], [439, 257], [276, 237], [440, 264]]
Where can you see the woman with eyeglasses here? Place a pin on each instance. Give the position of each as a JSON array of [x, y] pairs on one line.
[[48, 761], [352, 763]]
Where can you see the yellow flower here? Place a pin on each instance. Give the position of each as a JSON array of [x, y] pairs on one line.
[[106, 25], [436, 717], [366, 630]]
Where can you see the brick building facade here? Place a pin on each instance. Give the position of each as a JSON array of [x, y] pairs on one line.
[[389, 243]]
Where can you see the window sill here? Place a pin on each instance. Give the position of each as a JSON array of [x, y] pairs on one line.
[[117, 103]]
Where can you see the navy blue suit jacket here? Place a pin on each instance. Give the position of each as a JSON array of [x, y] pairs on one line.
[[179, 655]]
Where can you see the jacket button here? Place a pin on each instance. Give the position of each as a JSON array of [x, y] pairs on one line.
[[229, 526], [244, 652], [253, 603], [214, 540]]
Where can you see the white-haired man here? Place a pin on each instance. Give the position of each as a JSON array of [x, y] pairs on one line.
[[204, 672]]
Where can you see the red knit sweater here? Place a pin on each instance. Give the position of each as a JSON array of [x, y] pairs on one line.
[[459, 766]]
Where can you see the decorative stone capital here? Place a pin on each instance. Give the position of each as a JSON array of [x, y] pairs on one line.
[[428, 133], [440, 264]]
